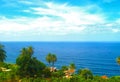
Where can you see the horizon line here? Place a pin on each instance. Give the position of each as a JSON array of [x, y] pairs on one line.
[[65, 41]]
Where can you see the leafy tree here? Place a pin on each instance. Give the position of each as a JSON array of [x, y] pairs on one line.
[[2, 53], [29, 65], [85, 73], [46, 72]]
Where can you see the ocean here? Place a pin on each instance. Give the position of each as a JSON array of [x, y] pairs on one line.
[[99, 57]]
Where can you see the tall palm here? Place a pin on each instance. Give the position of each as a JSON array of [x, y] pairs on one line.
[[118, 60], [53, 59], [48, 58], [2, 53]]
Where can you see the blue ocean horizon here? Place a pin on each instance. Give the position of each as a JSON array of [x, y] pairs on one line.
[[99, 57]]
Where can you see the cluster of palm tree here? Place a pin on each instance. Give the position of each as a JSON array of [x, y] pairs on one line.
[[51, 59]]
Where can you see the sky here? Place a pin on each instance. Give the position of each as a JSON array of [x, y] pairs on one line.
[[60, 20]]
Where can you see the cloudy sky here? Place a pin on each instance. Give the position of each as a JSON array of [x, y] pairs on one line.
[[59, 20]]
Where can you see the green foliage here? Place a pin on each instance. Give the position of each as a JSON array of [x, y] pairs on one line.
[[46, 72], [55, 77], [64, 68], [29, 66], [85, 73], [57, 74], [75, 78], [2, 53]]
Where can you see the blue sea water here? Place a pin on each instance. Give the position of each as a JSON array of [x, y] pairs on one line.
[[99, 57]]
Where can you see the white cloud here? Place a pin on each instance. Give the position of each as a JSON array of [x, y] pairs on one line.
[[77, 15], [116, 30], [57, 19], [12, 25]]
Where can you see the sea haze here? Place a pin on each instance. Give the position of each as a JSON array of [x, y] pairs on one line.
[[99, 57]]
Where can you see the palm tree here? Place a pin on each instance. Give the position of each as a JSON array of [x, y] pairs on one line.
[[48, 58], [118, 60], [2, 53], [53, 59]]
